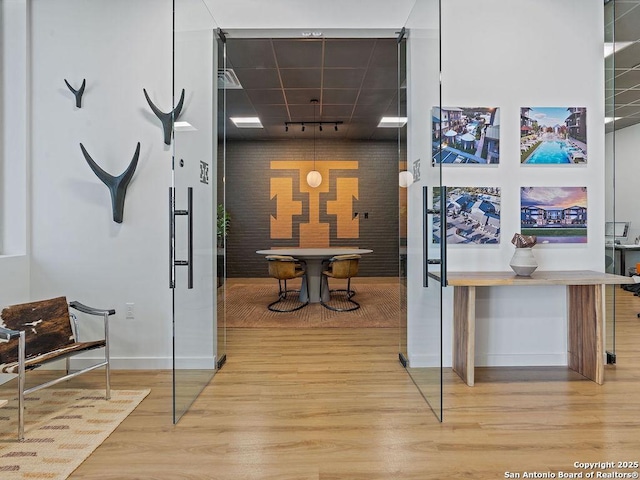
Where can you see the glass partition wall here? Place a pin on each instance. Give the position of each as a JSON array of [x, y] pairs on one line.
[[426, 242], [191, 200], [610, 253]]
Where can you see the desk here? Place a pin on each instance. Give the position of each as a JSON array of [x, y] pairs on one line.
[[314, 257], [623, 249], [585, 315]]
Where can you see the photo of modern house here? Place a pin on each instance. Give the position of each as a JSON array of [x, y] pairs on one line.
[[554, 214], [553, 135], [473, 215], [465, 135]]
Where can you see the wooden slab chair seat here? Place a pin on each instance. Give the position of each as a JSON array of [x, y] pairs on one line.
[[36, 333], [283, 268], [341, 267]]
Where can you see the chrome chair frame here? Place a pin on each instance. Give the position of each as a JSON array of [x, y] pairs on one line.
[[7, 334], [349, 293], [282, 283]]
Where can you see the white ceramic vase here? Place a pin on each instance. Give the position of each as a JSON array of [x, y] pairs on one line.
[[523, 262]]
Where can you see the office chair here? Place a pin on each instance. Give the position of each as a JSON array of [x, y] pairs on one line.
[[283, 268], [343, 267]]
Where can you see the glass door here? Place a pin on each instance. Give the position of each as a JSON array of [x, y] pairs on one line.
[[426, 239], [191, 200], [223, 219]]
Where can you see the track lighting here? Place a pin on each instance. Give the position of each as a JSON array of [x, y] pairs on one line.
[[335, 127], [303, 127]]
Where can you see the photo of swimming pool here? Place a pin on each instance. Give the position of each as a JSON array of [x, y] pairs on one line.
[[550, 152], [553, 135]]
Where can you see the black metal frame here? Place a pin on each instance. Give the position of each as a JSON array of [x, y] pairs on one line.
[[282, 293]]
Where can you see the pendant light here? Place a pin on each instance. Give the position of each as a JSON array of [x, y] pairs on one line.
[[314, 178]]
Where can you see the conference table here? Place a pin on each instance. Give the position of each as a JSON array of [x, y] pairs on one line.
[[585, 315], [314, 258]]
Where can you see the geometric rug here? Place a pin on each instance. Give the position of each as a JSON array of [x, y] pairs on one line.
[[62, 428], [246, 307]]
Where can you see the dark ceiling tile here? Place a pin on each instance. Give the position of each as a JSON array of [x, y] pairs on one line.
[[250, 53], [265, 111], [385, 53], [376, 97], [298, 53], [343, 77], [301, 77], [301, 113], [627, 96], [628, 79], [339, 96], [375, 111], [631, 110], [628, 57], [381, 77], [301, 96], [626, 27], [266, 97], [258, 77], [336, 112], [350, 53]]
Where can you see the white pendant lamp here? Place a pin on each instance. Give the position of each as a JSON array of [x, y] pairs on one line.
[[314, 178]]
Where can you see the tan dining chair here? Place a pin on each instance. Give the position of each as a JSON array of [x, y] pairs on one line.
[[283, 268], [340, 267]]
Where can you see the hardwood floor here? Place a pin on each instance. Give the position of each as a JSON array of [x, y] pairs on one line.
[[335, 404]]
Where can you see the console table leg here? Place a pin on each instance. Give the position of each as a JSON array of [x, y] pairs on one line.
[[585, 313], [464, 330]]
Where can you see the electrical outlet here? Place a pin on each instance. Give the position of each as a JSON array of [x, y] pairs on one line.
[[129, 313]]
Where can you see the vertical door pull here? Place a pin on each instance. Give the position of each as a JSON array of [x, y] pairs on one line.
[[172, 238], [427, 238]]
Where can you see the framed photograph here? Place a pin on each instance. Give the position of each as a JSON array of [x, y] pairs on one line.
[[553, 135], [472, 215], [465, 135], [554, 214]]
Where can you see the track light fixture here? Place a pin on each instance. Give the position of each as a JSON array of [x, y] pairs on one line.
[[319, 124]]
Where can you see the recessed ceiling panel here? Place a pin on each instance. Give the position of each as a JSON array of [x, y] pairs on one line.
[[302, 96], [343, 77], [250, 53], [266, 96], [258, 77], [298, 53], [301, 77], [628, 79], [349, 53]]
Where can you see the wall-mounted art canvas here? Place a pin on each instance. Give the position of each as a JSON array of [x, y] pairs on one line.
[[553, 135], [472, 213], [554, 214], [465, 135]]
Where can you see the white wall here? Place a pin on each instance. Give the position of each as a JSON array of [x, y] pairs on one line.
[[119, 47], [14, 264], [510, 55]]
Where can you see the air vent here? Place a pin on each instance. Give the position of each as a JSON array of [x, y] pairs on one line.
[[227, 79]]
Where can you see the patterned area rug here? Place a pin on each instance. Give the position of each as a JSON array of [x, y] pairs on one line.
[[62, 428], [247, 308]]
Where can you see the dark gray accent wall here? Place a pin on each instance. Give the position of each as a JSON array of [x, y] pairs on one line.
[[247, 184]]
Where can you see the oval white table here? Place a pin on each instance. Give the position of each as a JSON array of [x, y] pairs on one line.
[[314, 257]]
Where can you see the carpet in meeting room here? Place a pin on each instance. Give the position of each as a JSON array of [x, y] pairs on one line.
[[247, 300]]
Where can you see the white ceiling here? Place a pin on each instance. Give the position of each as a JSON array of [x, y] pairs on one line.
[[305, 14]]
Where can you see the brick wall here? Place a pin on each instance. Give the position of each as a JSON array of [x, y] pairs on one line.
[[260, 184]]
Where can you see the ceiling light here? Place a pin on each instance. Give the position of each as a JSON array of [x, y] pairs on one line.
[[246, 122], [612, 47], [314, 177], [392, 122], [405, 178], [183, 127], [610, 119], [315, 34]]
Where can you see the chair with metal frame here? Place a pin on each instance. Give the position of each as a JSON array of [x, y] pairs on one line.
[[341, 267], [283, 268], [41, 332]]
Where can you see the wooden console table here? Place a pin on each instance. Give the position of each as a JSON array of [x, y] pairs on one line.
[[585, 315]]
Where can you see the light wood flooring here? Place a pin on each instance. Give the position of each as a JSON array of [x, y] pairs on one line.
[[332, 404]]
